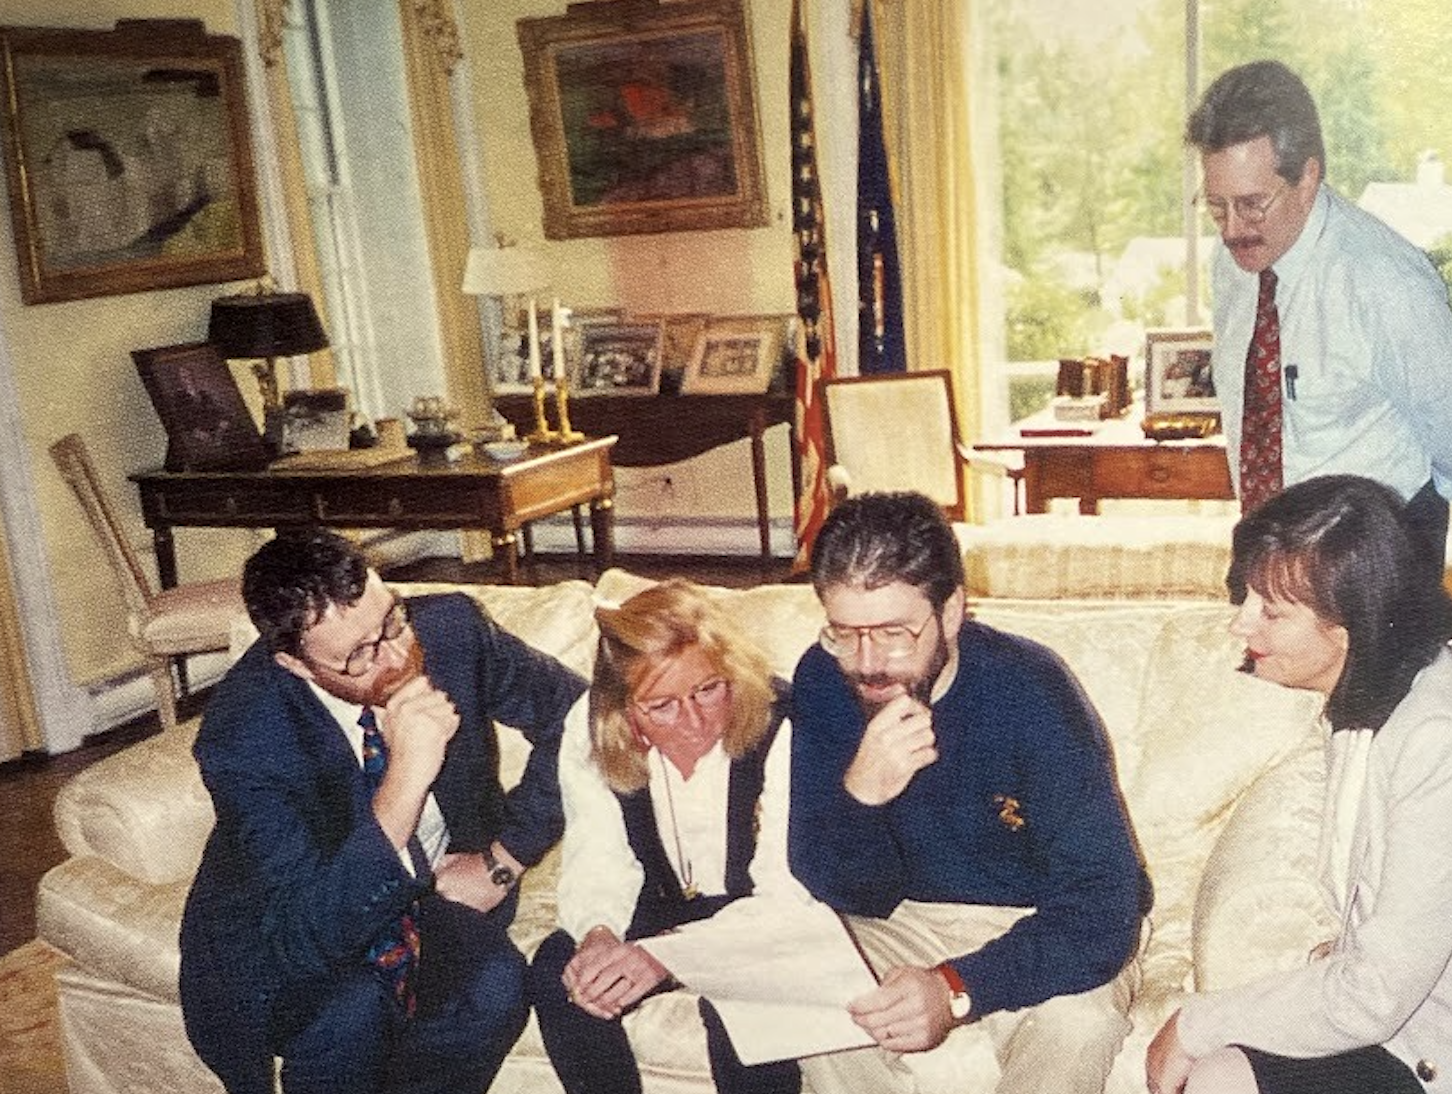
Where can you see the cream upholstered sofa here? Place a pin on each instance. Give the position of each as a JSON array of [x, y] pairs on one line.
[[1221, 774]]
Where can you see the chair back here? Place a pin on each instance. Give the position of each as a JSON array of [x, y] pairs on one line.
[[71, 457], [896, 431]]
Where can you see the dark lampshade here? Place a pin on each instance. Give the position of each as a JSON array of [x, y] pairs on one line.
[[265, 325]]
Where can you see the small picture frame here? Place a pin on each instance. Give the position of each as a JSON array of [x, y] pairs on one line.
[[208, 426], [679, 334], [620, 358], [1177, 377], [736, 355]]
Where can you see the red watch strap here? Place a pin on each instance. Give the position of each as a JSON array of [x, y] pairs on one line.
[[955, 982]]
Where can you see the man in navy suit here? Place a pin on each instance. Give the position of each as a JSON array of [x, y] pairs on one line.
[[350, 910]]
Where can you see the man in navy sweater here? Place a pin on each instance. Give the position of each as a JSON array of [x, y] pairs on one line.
[[954, 795]]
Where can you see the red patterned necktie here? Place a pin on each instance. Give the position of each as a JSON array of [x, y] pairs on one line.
[[395, 951], [1260, 424]]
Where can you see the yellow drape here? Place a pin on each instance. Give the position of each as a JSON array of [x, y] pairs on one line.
[[924, 64]]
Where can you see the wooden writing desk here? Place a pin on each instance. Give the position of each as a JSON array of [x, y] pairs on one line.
[[408, 493], [660, 429], [1114, 461]]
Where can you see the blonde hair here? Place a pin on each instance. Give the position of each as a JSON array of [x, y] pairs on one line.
[[653, 626]]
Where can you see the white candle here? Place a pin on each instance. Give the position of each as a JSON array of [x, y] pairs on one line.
[[534, 371], [557, 337]]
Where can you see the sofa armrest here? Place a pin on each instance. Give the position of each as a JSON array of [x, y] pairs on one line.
[[144, 810], [1260, 907]]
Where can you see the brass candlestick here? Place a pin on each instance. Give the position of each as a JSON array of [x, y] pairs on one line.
[[567, 434], [542, 434]]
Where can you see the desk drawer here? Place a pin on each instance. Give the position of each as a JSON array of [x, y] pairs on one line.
[[423, 502], [259, 505], [1162, 472]]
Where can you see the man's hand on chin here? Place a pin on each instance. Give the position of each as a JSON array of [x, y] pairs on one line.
[[897, 744]]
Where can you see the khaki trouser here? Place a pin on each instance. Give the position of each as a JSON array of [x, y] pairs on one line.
[[1065, 1045]]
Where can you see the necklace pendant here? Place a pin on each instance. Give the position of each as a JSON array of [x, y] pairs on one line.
[[690, 892]]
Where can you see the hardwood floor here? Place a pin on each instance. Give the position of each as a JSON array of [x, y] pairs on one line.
[[29, 845]]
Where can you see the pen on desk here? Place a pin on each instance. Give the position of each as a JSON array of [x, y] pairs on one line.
[[1291, 373]]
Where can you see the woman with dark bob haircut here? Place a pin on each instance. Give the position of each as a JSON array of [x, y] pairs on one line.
[[1334, 599]]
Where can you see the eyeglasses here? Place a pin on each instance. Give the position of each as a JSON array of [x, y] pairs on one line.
[[666, 711], [1251, 209], [362, 659], [891, 640]]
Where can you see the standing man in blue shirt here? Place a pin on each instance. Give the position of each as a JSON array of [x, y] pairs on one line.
[[1365, 331], [953, 794]]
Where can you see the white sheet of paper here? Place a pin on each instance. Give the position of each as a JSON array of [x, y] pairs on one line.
[[786, 996]]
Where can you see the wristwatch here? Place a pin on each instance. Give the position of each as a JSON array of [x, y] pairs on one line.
[[959, 1001], [499, 873]]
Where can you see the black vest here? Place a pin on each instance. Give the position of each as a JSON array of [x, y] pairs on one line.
[[662, 904]]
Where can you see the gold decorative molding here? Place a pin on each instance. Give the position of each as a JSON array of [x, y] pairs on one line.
[[271, 20], [437, 27]]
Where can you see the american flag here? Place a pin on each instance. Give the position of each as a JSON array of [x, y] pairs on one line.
[[816, 349]]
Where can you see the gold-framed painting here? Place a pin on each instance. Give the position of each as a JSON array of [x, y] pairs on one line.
[[128, 159], [644, 118]]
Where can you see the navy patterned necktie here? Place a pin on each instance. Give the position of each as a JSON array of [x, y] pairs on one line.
[[396, 950], [1260, 425]]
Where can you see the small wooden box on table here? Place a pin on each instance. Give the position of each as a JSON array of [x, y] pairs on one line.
[[410, 493]]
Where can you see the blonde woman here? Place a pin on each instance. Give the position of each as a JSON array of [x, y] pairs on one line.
[[675, 808]]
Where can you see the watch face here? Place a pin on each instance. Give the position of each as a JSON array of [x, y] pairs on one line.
[[502, 876], [959, 1004]]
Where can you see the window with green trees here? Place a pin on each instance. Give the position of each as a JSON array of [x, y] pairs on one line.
[[1091, 100]]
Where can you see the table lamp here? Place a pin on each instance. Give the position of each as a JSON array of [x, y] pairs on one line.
[[266, 325], [505, 271]]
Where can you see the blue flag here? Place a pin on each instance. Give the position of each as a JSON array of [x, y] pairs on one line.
[[879, 278]]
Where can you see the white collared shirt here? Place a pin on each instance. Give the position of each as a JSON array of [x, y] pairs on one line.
[[1366, 352]]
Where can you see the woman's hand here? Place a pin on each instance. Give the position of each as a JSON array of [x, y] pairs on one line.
[[607, 976], [1166, 1064]]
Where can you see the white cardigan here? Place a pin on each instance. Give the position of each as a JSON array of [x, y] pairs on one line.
[[1387, 980]]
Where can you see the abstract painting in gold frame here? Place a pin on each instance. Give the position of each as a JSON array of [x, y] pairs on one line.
[[128, 159], [644, 118]]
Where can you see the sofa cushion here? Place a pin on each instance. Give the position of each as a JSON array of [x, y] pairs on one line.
[[1206, 732], [1260, 906], [782, 619], [1112, 672]]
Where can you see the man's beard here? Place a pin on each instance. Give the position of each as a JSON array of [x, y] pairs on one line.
[[389, 681], [920, 687]]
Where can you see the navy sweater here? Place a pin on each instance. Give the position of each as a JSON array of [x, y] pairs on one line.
[[1021, 809]]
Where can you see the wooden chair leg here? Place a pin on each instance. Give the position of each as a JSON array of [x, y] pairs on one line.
[[165, 693]]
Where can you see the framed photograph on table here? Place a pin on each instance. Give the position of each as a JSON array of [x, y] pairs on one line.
[[644, 118], [620, 358], [736, 355], [208, 426], [128, 159], [1177, 376]]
